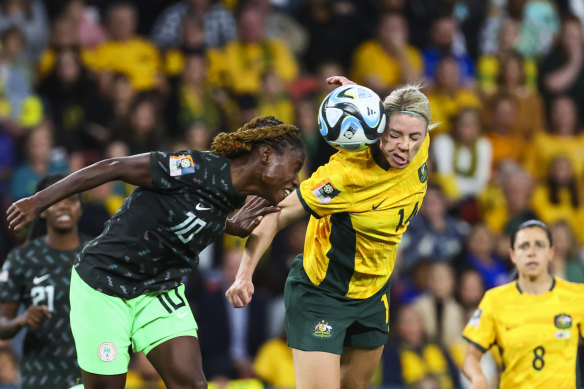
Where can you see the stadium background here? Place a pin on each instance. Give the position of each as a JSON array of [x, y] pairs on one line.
[[86, 80]]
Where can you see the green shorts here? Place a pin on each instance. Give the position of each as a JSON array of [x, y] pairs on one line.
[[317, 320], [104, 327]]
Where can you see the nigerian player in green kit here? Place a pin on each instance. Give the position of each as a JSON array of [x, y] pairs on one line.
[[126, 286]]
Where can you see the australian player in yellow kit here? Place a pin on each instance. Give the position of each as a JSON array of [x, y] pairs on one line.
[[337, 301], [535, 321]]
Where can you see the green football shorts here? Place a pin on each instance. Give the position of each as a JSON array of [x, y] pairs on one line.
[[104, 327], [317, 320]]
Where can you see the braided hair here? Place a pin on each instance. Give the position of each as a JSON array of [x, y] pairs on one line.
[[266, 130]]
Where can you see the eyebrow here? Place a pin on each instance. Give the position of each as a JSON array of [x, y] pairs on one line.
[[401, 132]]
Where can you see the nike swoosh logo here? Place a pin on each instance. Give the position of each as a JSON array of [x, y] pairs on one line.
[[200, 207], [181, 314], [374, 207], [38, 280]]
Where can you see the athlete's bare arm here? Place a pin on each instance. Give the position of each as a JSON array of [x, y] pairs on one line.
[[134, 170], [240, 293], [472, 369]]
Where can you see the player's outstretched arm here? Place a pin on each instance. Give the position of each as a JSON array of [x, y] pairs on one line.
[[239, 294], [134, 170], [472, 368]]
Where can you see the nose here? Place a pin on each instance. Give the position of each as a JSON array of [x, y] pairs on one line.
[[404, 145]]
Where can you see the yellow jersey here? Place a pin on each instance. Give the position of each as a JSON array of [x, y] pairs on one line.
[[537, 335], [359, 207]]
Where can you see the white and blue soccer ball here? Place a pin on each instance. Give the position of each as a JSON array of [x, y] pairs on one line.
[[351, 118]]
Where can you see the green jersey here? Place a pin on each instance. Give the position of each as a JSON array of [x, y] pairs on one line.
[[36, 274], [154, 240]]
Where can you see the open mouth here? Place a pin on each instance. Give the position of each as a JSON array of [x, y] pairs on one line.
[[63, 218], [287, 192], [398, 159]]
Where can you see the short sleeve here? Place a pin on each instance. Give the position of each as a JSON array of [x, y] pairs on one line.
[[12, 283], [327, 191], [171, 171], [480, 330]]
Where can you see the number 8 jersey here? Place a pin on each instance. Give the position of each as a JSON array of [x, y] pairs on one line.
[[360, 208], [537, 335]]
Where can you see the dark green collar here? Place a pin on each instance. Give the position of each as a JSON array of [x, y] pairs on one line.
[[551, 287]]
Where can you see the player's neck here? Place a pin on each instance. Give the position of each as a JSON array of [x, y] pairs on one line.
[[535, 285], [63, 241]]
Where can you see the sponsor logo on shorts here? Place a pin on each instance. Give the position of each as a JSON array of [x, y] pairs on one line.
[[322, 330], [107, 352]]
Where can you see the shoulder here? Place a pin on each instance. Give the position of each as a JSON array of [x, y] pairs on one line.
[[500, 293], [571, 288]]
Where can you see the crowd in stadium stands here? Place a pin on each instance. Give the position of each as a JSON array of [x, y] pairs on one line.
[[83, 80]]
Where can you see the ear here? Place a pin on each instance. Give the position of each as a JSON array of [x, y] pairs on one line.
[[266, 153], [512, 255]]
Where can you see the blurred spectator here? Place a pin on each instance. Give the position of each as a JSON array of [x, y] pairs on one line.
[[229, 337], [564, 138], [470, 291], [512, 80], [198, 137], [219, 25], [193, 100], [41, 159], [283, 26], [539, 25], [63, 38], [124, 51], [567, 263], [274, 100], [442, 315], [18, 105], [414, 362], [318, 151], [273, 364], [74, 105], [507, 201], [142, 375], [387, 61], [559, 197], [8, 369], [562, 70], [334, 30], [433, 233], [8, 158], [480, 255], [30, 17], [489, 67], [252, 54], [465, 154], [143, 130], [85, 20], [442, 45], [193, 43], [121, 95], [507, 144], [447, 97]]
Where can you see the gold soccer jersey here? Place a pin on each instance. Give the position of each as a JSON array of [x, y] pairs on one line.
[[360, 208], [537, 335]]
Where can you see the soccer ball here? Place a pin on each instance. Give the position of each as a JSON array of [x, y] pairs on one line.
[[351, 118]]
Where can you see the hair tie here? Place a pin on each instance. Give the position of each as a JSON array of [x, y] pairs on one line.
[[235, 144], [417, 114]]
